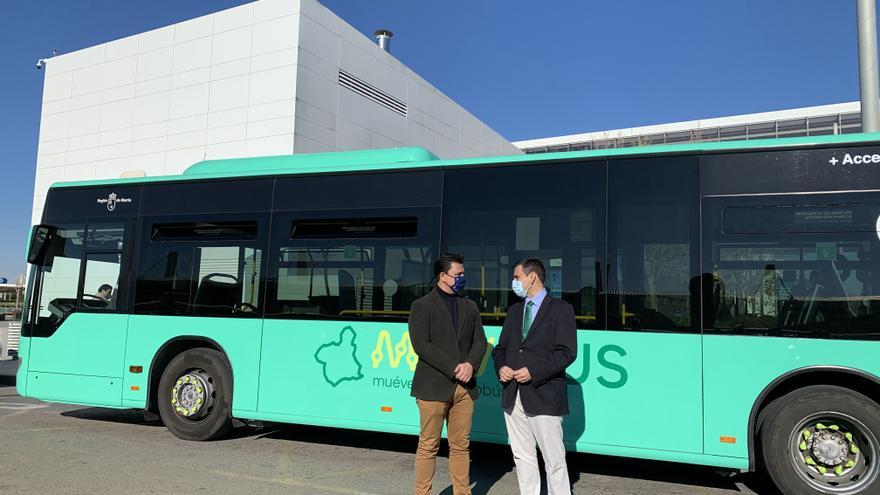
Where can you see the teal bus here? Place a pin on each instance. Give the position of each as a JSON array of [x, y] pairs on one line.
[[727, 295]]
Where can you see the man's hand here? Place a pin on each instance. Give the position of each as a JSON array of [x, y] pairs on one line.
[[464, 372], [505, 374], [522, 375]]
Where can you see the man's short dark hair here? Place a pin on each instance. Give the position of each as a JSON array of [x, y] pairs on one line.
[[530, 265], [104, 287], [444, 262]]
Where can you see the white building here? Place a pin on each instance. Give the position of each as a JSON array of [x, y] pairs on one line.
[[266, 78]]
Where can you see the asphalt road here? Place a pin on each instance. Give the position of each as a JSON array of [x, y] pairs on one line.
[[50, 448]]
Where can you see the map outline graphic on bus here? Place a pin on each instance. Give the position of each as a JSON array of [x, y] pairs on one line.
[[343, 369]]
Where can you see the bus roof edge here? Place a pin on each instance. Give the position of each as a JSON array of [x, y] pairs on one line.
[[290, 163]]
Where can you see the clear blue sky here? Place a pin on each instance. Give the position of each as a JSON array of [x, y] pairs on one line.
[[528, 69]]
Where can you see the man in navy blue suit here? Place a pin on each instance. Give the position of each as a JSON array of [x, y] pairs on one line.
[[537, 343]]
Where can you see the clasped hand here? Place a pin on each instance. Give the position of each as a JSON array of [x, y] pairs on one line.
[[464, 372], [522, 375]]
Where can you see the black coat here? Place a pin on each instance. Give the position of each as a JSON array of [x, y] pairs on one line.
[[549, 347], [441, 347]]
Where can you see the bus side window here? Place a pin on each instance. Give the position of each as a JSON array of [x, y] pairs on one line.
[[653, 233], [803, 266], [228, 280], [353, 267], [58, 279], [101, 285], [200, 268], [100, 288], [566, 230]]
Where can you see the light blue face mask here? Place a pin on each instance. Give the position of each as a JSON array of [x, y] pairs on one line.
[[518, 289]]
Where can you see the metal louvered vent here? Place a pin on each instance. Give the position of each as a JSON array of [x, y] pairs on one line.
[[371, 92]]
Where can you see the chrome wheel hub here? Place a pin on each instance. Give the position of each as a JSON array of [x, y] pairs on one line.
[[827, 453], [829, 447], [192, 395]]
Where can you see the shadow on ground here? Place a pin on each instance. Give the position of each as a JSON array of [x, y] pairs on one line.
[[492, 462], [489, 462], [123, 416]]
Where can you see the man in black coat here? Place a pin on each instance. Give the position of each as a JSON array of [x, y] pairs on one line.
[[447, 334], [538, 341]]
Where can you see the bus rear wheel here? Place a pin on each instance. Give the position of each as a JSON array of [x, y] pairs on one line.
[[822, 439], [195, 395]]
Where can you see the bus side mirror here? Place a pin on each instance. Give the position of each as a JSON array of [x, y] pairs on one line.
[[41, 238]]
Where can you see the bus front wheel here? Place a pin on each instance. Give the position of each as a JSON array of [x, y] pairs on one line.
[[822, 439], [195, 395]]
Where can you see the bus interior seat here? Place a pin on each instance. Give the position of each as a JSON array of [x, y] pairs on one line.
[[216, 296]]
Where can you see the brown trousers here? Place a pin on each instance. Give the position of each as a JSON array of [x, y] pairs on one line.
[[458, 414]]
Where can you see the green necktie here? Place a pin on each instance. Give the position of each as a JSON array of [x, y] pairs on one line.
[[527, 320]]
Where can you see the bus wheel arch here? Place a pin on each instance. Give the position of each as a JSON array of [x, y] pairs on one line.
[[168, 351], [845, 377]]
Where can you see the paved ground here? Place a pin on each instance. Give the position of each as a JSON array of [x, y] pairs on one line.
[[71, 449]]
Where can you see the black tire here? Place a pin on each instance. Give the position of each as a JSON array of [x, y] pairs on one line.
[[214, 416], [790, 435]]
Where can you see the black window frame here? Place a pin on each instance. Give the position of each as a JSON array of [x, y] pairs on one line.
[[260, 241], [542, 189], [31, 327], [394, 193], [428, 219], [122, 283], [714, 234], [687, 163]]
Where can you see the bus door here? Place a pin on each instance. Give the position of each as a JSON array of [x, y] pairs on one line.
[[76, 328]]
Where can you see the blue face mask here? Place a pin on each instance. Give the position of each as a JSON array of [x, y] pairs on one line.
[[459, 284], [518, 289]]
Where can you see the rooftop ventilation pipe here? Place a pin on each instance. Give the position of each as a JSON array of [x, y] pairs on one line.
[[383, 37]]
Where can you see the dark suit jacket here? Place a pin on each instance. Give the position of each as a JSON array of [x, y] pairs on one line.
[[548, 349], [441, 347]]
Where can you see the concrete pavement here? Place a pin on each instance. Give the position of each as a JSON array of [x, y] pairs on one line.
[[49, 449]]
